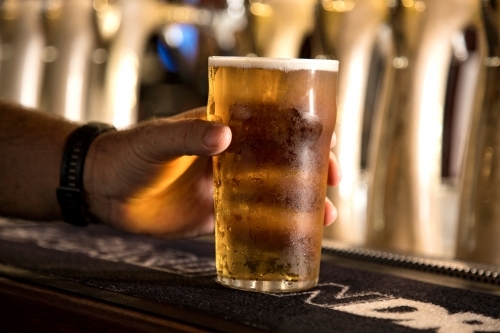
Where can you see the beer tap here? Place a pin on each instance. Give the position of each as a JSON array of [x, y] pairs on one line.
[[349, 32], [22, 51], [405, 197], [136, 21], [72, 37], [479, 219], [279, 27], [126, 24]]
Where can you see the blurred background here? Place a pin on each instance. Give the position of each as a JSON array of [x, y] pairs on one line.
[[418, 129]]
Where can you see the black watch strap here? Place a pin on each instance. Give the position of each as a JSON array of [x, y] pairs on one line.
[[70, 192]]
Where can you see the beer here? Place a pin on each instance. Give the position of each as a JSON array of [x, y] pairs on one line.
[[270, 184]]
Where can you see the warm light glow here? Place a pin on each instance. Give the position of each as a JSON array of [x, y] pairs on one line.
[[10, 10], [400, 62], [391, 3], [338, 5], [146, 205], [100, 5], [53, 9], [429, 135], [348, 117], [110, 20], [259, 9], [74, 85], [492, 61], [419, 6], [50, 53], [99, 56], [125, 90], [29, 78], [407, 3], [487, 159], [180, 14]]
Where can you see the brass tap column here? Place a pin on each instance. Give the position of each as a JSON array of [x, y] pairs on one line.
[[348, 31], [479, 220], [22, 51], [72, 38], [279, 27], [405, 212]]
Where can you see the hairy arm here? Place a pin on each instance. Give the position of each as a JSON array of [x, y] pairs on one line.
[[31, 148]]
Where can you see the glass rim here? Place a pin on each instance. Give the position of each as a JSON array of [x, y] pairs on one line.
[[283, 64]]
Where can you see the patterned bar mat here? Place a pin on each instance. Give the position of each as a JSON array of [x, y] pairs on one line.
[[469, 271], [103, 262]]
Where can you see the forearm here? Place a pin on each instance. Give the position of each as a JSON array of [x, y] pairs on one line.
[[31, 148]]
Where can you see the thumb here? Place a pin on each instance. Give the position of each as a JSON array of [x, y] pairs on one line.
[[165, 138]]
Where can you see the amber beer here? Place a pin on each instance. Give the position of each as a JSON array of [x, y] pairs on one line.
[[270, 184]]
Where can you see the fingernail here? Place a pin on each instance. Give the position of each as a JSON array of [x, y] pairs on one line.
[[214, 135]]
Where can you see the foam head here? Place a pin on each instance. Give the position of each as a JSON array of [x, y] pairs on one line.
[[282, 64]]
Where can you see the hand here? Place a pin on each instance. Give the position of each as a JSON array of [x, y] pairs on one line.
[[334, 177], [156, 178]]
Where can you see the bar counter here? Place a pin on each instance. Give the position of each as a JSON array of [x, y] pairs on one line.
[[58, 278]]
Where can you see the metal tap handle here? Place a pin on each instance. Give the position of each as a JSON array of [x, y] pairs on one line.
[[405, 212], [479, 219], [23, 43], [349, 31]]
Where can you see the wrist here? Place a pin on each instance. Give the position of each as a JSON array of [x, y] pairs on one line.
[[94, 176], [71, 193]]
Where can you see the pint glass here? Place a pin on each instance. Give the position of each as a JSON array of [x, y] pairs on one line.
[[270, 183]]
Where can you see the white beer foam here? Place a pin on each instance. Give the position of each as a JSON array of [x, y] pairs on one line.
[[283, 64]]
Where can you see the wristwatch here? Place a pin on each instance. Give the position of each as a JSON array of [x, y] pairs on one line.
[[70, 193]]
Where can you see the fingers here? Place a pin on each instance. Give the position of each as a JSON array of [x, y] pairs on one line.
[[161, 139], [334, 177], [334, 140], [334, 173], [196, 137], [330, 213]]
